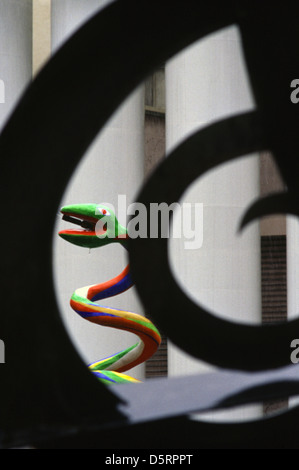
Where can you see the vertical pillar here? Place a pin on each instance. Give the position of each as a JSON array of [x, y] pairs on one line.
[[293, 267], [41, 33], [113, 166], [68, 15], [293, 279], [15, 53], [206, 83]]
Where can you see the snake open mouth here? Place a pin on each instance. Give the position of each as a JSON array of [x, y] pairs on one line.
[[85, 220], [87, 232], [95, 226], [86, 223]]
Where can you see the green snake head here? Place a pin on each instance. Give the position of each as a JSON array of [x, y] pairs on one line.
[[98, 226]]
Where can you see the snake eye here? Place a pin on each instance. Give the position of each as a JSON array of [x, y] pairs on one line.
[[102, 211]]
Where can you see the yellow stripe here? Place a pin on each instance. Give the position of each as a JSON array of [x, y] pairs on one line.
[[117, 313], [126, 377]]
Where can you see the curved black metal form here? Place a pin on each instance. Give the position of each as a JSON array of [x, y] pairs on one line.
[[50, 130]]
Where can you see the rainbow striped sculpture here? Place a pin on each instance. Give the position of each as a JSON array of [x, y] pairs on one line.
[[98, 226]]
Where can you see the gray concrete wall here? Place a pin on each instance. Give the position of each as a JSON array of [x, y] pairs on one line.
[[15, 53]]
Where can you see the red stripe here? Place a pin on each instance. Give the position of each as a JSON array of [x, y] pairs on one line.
[[82, 232], [94, 290]]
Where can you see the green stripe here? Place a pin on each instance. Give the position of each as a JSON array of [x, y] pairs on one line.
[[111, 360], [114, 376]]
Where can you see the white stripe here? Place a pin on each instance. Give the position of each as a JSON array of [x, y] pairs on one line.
[[129, 358]]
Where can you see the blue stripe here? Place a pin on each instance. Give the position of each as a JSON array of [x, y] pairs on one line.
[[123, 285], [99, 375], [99, 314], [94, 314]]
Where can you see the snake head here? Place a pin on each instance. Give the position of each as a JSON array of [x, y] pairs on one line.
[[96, 224]]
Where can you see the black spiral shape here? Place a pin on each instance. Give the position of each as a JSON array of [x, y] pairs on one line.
[[54, 123]]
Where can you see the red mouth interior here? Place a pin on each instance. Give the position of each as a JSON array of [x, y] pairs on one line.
[[87, 223]]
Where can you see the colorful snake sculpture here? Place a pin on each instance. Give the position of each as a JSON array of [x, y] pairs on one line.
[[98, 227]]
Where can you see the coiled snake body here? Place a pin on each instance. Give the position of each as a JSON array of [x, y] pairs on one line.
[[99, 227]]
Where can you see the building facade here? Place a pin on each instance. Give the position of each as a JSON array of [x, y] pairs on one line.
[[242, 279]]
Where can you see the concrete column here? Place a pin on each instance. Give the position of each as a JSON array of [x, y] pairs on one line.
[[293, 279], [15, 53], [293, 267], [206, 83], [113, 166], [41, 33]]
